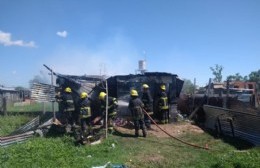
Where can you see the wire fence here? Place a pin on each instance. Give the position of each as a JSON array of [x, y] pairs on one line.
[[233, 123]]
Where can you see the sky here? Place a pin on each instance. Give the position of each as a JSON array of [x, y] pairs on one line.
[[93, 37]]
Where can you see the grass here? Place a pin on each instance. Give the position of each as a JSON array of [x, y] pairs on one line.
[[32, 107], [11, 122], [133, 152], [150, 152]]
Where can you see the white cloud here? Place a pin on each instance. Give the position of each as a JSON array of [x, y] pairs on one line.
[[6, 40], [62, 34]]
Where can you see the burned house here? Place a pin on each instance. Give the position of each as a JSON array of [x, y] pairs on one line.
[[119, 87], [89, 84]]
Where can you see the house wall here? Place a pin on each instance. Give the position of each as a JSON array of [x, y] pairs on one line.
[[244, 85]]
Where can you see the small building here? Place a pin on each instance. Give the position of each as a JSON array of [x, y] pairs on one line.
[[13, 95], [243, 85], [9, 93]]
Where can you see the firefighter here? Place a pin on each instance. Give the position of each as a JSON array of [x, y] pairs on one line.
[[68, 108], [112, 109], [85, 116], [148, 105], [163, 106], [136, 107]]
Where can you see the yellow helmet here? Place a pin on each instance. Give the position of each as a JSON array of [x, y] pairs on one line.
[[83, 95], [145, 86], [102, 95], [68, 89], [163, 87], [134, 93]]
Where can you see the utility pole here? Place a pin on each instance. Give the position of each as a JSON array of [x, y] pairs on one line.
[[193, 97], [52, 103], [52, 85], [208, 90], [106, 107]]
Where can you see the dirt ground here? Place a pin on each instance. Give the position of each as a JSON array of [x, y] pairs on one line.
[[175, 129]]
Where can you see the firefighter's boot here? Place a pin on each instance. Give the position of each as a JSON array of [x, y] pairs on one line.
[[144, 133], [136, 133]]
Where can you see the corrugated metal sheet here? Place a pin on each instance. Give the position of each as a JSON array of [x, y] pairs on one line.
[[7, 89], [42, 92], [21, 134], [239, 124], [9, 140], [34, 123]]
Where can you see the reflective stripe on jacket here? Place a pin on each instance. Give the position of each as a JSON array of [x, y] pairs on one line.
[[85, 112], [85, 109], [112, 106], [163, 103], [70, 105]]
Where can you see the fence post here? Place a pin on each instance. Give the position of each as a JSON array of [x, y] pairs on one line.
[[4, 106], [44, 107]]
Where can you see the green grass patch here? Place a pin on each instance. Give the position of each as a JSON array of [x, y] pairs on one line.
[[150, 152], [120, 148], [12, 122], [32, 107], [60, 152]]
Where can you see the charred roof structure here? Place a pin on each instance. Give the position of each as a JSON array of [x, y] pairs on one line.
[[79, 83], [89, 84], [119, 86]]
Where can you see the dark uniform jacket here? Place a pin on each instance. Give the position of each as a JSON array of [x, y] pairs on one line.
[[85, 109], [112, 106], [163, 101], [135, 106], [67, 103], [148, 101]]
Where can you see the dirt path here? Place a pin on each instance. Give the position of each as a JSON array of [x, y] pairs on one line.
[[175, 129]]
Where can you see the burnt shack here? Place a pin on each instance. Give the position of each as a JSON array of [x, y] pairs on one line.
[[119, 87], [89, 84]]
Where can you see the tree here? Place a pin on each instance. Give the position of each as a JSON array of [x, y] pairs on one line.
[[188, 86], [245, 78], [254, 76], [236, 77], [217, 72]]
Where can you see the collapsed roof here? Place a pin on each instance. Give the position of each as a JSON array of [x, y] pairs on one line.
[[119, 86]]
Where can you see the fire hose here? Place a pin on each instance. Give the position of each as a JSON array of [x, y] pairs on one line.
[[182, 141]]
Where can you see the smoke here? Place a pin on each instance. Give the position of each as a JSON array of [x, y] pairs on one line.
[[40, 78], [113, 56]]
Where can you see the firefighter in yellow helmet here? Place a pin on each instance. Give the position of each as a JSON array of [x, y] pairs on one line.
[[85, 116], [148, 105], [112, 109], [68, 90], [136, 107], [163, 106], [67, 108]]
